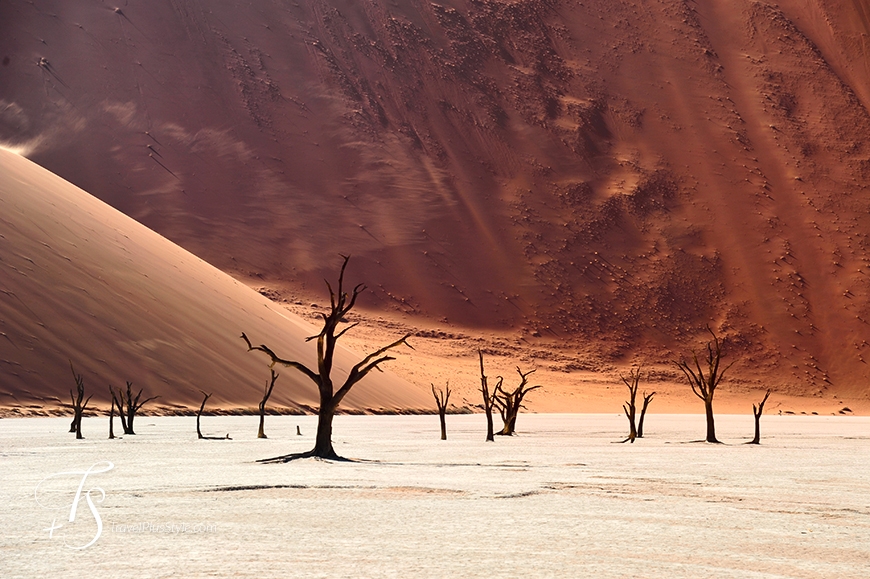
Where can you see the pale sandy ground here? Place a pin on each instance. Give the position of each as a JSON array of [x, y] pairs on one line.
[[558, 500]]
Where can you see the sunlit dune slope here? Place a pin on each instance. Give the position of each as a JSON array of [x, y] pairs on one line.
[[81, 282], [614, 175]]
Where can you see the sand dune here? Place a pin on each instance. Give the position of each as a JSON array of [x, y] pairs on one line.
[[82, 282], [611, 176]]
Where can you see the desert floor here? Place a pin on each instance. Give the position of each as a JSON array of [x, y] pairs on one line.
[[561, 499]]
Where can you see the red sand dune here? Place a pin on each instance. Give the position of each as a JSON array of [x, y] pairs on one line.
[[610, 176], [82, 282]]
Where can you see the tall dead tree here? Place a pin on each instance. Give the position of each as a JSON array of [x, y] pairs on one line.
[[703, 383], [489, 397], [756, 411], [128, 406], [341, 303], [441, 399], [647, 398], [266, 393], [77, 404], [509, 403], [630, 406]]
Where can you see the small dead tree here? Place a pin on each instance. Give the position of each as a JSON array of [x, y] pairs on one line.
[[704, 384], [205, 398], [341, 303], [509, 403], [489, 398], [756, 411], [266, 393], [112, 417], [77, 404], [630, 406], [441, 399], [647, 398], [199, 414], [128, 406]]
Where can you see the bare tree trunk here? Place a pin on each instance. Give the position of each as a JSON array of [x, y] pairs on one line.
[[323, 439], [198, 414], [266, 393], [441, 399], [77, 404], [711, 427], [512, 424], [647, 398], [630, 406], [112, 418], [756, 411], [130, 416], [260, 432], [117, 400], [489, 398]]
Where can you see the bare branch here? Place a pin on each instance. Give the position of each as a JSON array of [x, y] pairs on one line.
[[369, 363], [276, 360], [344, 331]]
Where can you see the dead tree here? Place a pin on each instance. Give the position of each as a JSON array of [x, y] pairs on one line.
[[630, 406], [341, 303], [704, 384], [77, 404], [112, 417], [509, 403], [198, 414], [441, 398], [266, 393], [647, 398], [129, 406], [489, 398], [756, 411]]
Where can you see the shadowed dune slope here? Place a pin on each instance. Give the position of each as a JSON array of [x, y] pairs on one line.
[[80, 281], [616, 174]]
